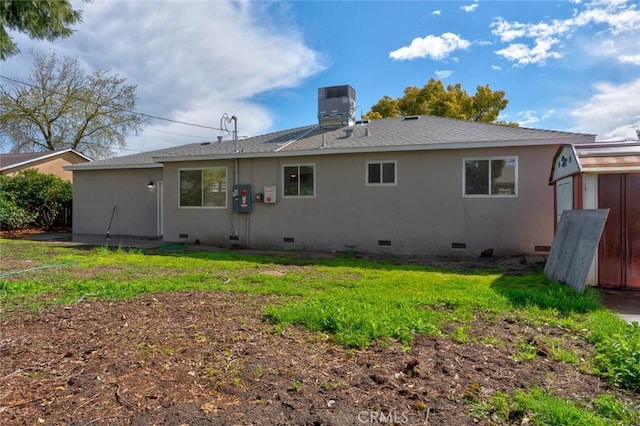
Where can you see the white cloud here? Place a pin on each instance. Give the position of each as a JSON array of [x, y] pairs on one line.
[[469, 8], [525, 55], [442, 74], [507, 31], [434, 47], [436, 12], [630, 59], [615, 16], [191, 63], [612, 113], [618, 16], [496, 67], [525, 118]]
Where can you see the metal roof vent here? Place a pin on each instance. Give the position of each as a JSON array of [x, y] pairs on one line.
[[411, 117], [348, 132]]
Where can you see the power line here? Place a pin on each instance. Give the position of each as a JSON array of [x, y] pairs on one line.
[[177, 134], [155, 117]]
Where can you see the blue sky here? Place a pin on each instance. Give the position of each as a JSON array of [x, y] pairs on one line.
[[564, 65]]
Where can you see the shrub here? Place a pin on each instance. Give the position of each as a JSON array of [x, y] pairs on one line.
[[12, 216], [41, 196]]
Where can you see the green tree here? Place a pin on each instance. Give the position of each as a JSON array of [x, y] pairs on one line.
[[33, 197], [39, 19], [434, 99], [386, 107], [62, 107]]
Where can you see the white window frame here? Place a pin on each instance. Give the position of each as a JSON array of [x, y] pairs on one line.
[[298, 165], [504, 157], [226, 182], [381, 162]]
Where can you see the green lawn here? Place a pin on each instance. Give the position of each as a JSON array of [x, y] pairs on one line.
[[352, 300]]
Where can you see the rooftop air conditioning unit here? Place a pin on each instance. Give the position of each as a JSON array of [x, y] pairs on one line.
[[336, 106]]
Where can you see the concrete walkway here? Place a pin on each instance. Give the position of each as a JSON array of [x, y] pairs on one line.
[[625, 302], [101, 240]]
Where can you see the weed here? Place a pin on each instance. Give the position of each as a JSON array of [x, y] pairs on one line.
[[525, 350], [200, 338], [461, 334], [609, 407], [538, 407], [619, 357], [559, 353], [493, 341], [296, 385], [209, 373]]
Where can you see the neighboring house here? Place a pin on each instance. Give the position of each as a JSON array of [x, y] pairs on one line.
[[418, 185], [48, 162], [604, 176]]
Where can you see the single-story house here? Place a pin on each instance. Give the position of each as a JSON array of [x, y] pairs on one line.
[[604, 176], [420, 185], [47, 162]]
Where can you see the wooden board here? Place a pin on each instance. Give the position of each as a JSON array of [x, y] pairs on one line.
[[574, 246]]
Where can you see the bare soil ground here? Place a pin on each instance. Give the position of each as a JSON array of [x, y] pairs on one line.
[[210, 358]]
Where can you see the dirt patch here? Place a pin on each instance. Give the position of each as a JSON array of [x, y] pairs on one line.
[[209, 358]]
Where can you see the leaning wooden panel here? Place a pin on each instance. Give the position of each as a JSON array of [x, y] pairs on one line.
[[574, 246]]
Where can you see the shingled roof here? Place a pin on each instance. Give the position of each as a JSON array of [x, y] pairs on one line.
[[388, 134], [12, 160]]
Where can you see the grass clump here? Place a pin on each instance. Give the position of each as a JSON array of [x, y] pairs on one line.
[[618, 349], [541, 408], [356, 320]]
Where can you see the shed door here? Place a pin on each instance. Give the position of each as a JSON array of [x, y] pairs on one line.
[[619, 250], [564, 196], [632, 222]]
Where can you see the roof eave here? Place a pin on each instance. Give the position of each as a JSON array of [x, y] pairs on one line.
[[383, 148], [44, 157], [114, 167]]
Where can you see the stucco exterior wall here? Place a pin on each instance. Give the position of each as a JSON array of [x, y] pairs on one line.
[[95, 193], [424, 213], [208, 225]]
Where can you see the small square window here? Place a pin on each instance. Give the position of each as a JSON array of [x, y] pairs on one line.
[[381, 173], [490, 176], [299, 180], [203, 187]]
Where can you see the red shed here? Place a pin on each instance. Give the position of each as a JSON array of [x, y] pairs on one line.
[[604, 175]]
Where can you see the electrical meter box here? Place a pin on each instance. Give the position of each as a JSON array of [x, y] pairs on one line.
[[241, 198], [270, 195]]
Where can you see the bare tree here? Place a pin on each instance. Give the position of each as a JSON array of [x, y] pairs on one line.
[[60, 106]]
